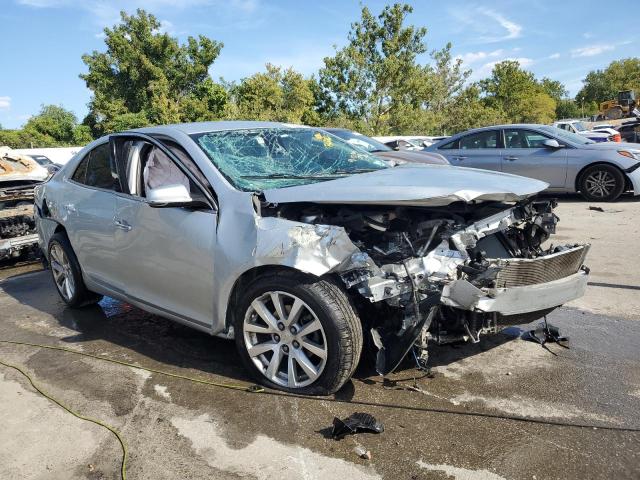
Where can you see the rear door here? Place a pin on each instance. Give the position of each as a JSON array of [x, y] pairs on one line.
[[476, 150], [525, 154], [88, 209], [165, 255]]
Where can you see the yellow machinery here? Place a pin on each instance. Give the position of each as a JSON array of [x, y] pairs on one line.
[[620, 107]]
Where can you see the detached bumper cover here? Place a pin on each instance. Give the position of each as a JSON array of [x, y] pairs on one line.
[[515, 300]]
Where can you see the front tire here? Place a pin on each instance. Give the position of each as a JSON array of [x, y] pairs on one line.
[[67, 275], [602, 183], [298, 333]]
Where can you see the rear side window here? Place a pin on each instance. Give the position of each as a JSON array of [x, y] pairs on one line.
[[96, 170], [81, 170], [480, 140], [450, 145]]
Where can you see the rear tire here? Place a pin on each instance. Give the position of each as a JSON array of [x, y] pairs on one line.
[[602, 183], [312, 351], [67, 275]]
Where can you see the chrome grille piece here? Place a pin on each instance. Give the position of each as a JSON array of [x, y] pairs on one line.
[[530, 271]]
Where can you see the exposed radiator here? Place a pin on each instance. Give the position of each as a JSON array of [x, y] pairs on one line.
[[529, 271]]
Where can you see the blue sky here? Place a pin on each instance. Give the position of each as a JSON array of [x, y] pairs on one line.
[[42, 40]]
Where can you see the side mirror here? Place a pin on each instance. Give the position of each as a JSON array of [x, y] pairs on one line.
[[176, 195], [552, 143]]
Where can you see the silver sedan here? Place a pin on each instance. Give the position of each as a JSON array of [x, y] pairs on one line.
[[297, 244], [566, 161]]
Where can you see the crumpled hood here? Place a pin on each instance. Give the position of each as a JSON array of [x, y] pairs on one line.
[[419, 185]]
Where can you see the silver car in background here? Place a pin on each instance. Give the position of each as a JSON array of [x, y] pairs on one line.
[[298, 244], [568, 162]]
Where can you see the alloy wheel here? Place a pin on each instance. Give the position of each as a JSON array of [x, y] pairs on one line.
[[62, 274], [600, 184], [285, 339]]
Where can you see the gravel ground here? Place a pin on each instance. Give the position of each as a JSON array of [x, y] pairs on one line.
[[177, 429]]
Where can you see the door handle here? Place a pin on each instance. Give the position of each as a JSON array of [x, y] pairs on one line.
[[511, 158], [122, 225], [460, 158]]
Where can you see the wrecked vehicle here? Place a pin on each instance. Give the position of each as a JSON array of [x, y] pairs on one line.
[[302, 247], [19, 174]]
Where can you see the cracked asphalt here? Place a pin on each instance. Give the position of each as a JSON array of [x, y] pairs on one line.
[[448, 424]]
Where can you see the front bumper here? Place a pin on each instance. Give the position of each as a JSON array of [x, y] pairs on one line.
[[634, 178], [515, 300]]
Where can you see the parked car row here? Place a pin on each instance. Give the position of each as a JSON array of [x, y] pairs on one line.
[[568, 162]]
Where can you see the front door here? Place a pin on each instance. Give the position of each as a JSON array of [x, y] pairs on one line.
[[165, 254], [525, 154]]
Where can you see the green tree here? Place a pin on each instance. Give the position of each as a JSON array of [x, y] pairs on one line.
[[375, 71], [554, 88], [568, 108], [602, 85], [146, 75], [274, 95], [517, 94]]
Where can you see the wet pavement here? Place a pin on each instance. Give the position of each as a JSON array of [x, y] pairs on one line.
[[178, 429], [452, 423]]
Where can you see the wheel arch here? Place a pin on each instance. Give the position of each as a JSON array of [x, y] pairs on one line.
[[578, 178], [250, 276]]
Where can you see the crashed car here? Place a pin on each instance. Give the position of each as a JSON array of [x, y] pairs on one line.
[[19, 175], [302, 247]]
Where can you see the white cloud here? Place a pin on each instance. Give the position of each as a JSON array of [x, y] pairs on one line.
[[554, 56], [513, 29], [474, 57], [166, 27], [592, 50], [5, 103], [489, 25], [485, 70]]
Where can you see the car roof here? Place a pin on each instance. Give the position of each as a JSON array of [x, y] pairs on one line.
[[200, 127], [494, 127]]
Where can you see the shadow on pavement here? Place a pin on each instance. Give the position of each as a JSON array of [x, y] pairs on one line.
[[169, 343]]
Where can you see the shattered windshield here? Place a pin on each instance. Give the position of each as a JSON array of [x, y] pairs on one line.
[[263, 158], [357, 139]]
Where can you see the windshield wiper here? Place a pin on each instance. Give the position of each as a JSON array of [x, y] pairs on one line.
[[351, 171], [294, 176]]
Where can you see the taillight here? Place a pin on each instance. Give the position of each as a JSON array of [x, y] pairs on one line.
[[615, 138]]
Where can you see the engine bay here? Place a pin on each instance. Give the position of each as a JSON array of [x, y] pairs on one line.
[[419, 270]]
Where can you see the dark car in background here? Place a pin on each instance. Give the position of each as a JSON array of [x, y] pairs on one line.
[[381, 150]]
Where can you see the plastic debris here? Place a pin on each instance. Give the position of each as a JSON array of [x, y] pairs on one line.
[[355, 423], [362, 452]]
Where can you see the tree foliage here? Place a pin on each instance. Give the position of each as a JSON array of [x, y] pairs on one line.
[[274, 95], [602, 85], [376, 71], [54, 126], [517, 94], [146, 76]]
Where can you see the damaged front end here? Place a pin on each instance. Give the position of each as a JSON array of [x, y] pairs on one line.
[[444, 274]]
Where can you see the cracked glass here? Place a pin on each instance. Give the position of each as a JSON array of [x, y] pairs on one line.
[[264, 158]]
